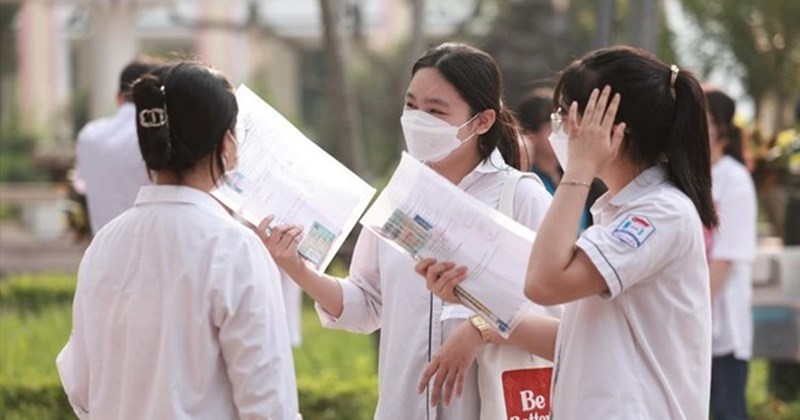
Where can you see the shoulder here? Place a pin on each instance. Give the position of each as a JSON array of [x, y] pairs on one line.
[[665, 209], [92, 130]]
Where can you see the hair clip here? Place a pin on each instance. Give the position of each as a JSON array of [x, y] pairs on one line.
[[153, 117], [674, 70]]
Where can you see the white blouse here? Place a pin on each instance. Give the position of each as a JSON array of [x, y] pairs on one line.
[[178, 314]]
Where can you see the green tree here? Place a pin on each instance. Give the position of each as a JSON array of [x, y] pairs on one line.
[[764, 38]]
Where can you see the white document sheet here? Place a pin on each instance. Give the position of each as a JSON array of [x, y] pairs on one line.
[[283, 173], [425, 215]]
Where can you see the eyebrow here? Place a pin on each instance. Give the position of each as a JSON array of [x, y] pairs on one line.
[[431, 101]]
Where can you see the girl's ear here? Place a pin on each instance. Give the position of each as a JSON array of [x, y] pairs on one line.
[[484, 121]]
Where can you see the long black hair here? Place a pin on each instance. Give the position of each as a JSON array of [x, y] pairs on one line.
[[199, 106], [476, 77], [664, 111], [722, 108]]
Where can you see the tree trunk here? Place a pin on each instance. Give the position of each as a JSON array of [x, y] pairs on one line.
[[342, 102]]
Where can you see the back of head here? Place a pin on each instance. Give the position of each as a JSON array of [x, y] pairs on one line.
[[664, 111], [183, 112], [133, 71], [722, 108], [476, 77], [535, 108]]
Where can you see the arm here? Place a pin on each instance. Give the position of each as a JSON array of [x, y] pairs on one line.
[[247, 308], [718, 270], [282, 245], [558, 272], [73, 367]]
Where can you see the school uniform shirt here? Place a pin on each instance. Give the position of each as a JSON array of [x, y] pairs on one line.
[[734, 240], [110, 165], [383, 291], [643, 349], [178, 314]]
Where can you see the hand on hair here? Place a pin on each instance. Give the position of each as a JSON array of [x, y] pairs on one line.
[[593, 139], [441, 278], [281, 242]]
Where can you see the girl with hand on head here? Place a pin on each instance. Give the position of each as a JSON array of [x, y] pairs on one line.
[[178, 311], [635, 337], [455, 122]]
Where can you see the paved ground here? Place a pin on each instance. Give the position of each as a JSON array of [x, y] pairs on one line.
[[20, 251]]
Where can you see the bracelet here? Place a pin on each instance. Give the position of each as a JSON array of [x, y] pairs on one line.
[[575, 182]]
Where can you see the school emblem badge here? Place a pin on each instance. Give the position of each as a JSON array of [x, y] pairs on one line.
[[634, 230]]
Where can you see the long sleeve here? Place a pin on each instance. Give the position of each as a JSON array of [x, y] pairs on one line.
[[72, 364], [361, 291], [248, 309]]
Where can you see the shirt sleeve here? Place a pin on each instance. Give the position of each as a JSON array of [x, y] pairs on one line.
[[361, 291], [72, 363], [247, 308], [638, 243], [735, 237]]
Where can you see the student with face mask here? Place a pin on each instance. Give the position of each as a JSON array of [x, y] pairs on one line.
[[455, 121], [634, 341], [178, 311]]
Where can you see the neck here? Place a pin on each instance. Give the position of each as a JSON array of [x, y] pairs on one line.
[[622, 174], [548, 165], [457, 166], [200, 180]]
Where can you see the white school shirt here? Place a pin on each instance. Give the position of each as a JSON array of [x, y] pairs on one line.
[[734, 240], [383, 291], [110, 164], [178, 314], [643, 350]]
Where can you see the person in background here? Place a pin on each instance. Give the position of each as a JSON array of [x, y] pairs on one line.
[[731, 252], [109, 166], [178, 311], [538, 156]]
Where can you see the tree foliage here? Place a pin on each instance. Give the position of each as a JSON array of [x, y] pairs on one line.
[[763, 36]]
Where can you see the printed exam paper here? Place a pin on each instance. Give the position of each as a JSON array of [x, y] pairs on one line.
[[283, 173], [425, 215]]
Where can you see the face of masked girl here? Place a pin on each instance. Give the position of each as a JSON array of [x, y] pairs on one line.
[[436, 120]]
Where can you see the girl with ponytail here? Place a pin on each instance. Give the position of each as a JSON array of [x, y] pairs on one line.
[[455, 121], [178, 311], [635, 337]]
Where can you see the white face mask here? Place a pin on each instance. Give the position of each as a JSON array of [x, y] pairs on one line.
[[559, 142], [428, 138]]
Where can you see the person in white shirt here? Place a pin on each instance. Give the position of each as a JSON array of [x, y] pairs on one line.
[[634, 341], [454, 121], [732, 249], [178, 311], [109, 166]]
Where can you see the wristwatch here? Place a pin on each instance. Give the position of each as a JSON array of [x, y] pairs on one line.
[[482, 326]]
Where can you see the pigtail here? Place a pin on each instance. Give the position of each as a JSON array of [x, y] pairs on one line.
[[152, 123], [688, 160]]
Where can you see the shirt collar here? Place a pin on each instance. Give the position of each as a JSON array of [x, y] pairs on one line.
[[494, 163], [179, 194], [644, 182]]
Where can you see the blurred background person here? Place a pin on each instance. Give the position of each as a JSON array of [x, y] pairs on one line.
[[536, 151], [731, 252], [110, 169]]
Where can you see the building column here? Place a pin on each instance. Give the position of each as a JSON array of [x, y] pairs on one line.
[[113, 43]]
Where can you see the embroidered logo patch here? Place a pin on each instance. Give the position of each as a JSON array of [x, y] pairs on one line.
[[634, 230]]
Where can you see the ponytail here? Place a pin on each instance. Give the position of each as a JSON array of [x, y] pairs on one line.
[[688, 156], [503, 135], [152, 124]]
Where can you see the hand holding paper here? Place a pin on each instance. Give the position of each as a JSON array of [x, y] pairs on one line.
[[442, 278]]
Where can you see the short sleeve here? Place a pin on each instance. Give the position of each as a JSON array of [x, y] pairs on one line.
[[735, 237], [635, 245], [531, 201]]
